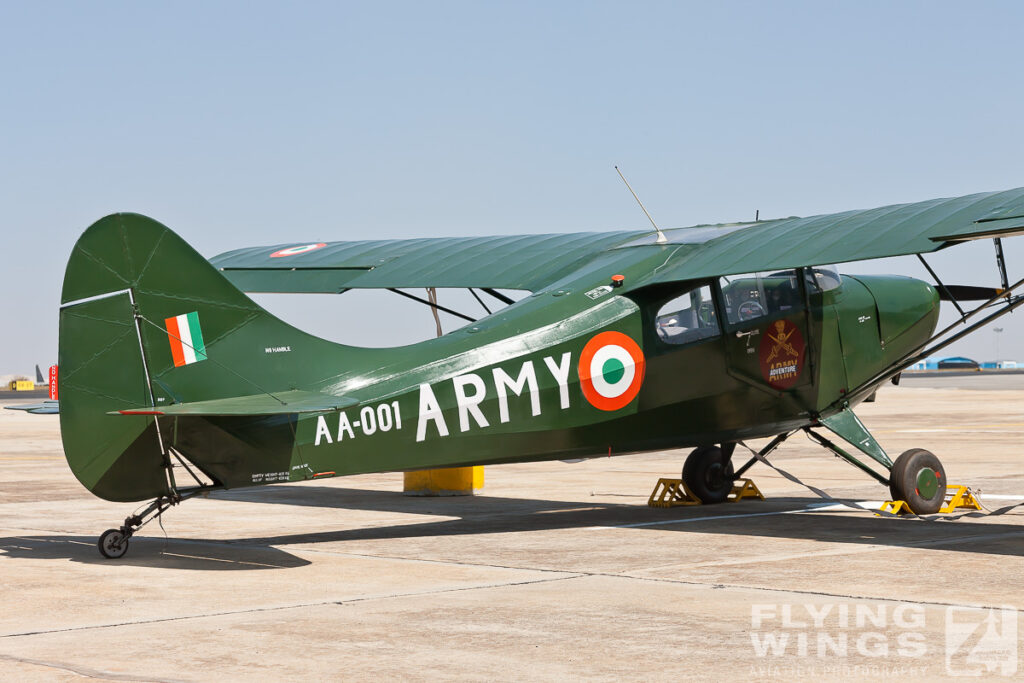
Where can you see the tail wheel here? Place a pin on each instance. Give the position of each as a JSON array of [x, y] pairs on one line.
[[918, 477], [708, 473], [113, 544]]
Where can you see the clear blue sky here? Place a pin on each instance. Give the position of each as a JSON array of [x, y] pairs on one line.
[[242, 123]]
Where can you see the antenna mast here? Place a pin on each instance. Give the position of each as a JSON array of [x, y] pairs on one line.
[[661, 236]]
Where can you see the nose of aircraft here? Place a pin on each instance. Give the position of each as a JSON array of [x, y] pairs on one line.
[[908, 311]]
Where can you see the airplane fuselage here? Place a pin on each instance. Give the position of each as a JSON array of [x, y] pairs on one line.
[[604, 379]]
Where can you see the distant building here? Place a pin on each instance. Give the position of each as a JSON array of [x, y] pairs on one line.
[[962, 363], [958, 363]]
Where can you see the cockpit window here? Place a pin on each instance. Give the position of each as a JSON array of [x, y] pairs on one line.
[[687, 318], [755, 295], [823, 278]]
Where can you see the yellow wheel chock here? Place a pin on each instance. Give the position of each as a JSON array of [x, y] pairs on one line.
[[670, 493], [962, 498], [957, 498], [896, 507], [745, 490]]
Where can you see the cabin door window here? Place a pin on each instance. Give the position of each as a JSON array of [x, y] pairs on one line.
[[766, 329]]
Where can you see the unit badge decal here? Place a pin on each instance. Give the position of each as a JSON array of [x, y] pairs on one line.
[[782, 354]]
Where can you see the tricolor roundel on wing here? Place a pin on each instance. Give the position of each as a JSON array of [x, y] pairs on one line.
[[300, 249], [611, 370]]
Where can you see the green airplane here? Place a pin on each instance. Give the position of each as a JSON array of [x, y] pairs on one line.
[[627, 342]]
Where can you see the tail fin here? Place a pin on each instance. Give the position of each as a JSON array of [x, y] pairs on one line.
[[147, 322]]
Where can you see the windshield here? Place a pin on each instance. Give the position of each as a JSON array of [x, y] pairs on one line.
[[823, 278]]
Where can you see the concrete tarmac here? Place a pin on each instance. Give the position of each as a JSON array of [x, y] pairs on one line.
[[556, 572], [1001, 380]]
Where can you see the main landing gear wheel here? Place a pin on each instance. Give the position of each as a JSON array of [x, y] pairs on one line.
[[708, 474], [113, 544], [917, 477]]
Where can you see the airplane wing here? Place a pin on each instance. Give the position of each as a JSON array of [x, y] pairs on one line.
[[279, 403], [897, 230], [527, 262], [532, 262]]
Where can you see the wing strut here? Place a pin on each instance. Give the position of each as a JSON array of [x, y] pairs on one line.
[[1001, 262], [475, 296], [432, 304], [942, 286], [498, 295]]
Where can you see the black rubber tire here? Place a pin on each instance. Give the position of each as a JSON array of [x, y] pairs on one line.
[[708, 474], [112, 544], [909, 470], [896, 472]]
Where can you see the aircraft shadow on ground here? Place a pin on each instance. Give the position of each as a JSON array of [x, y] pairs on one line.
[[152, 552], [484, 515], [478, 515]]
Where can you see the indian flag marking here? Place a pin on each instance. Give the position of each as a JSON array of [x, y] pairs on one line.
[[301, 249], [611, 370], [186, 339]]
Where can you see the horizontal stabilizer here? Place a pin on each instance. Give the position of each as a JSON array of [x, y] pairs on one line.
[[280, 403], [47, 407]]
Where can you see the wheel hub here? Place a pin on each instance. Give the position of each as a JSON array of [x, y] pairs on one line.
[[927, 483]]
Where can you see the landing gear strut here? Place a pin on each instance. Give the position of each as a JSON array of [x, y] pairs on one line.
[[708, 473], [113, 543], [916, 477]]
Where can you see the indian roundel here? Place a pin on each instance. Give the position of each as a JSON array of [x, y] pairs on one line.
[[301, 249], [611, 370]]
